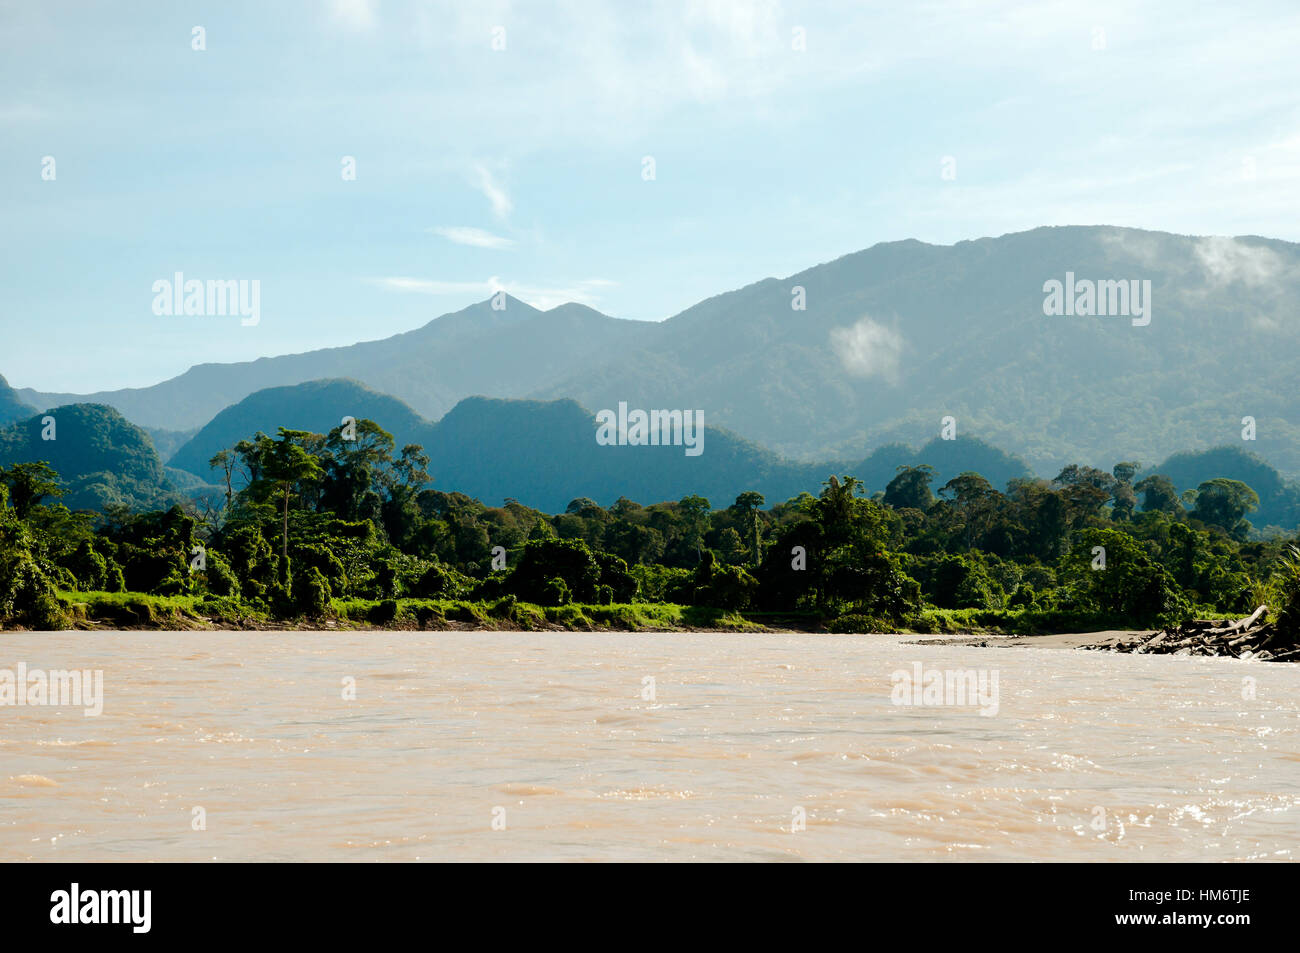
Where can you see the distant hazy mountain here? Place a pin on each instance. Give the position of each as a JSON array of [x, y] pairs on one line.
[[478, 350], [542, 453], [891, 340], [11, 407], [318, 406], [898, 336], [545, 454], [1279, 501], [167, 442]]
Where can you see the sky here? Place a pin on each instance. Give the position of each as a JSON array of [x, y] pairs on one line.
[[508, 145]]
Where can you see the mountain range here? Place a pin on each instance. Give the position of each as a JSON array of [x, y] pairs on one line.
[[844, 367], [889, 341], [542, 453]]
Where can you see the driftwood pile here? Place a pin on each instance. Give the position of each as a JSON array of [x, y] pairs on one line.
[[1248, 638]]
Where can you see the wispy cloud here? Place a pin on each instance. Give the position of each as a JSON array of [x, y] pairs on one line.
[[586, 291], [869, 349], [474, 237], [1228, 260], [355, 14], [495, 192]]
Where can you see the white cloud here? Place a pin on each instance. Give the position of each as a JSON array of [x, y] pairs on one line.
[[1227, 260], [354, 14], [495, 192], [424, 286], [869, 349], [474, 237]]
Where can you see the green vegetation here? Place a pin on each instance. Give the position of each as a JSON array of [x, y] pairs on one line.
[[104, 460], [341, 529]]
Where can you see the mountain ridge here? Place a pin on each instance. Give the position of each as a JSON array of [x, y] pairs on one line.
[[893, 338]]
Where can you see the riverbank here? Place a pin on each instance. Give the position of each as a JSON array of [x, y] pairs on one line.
[[141, 612], [1251, 637], [102, 611], [1052, 640]]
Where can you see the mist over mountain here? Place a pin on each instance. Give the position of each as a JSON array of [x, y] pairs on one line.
[[891, 340], [898, 336]]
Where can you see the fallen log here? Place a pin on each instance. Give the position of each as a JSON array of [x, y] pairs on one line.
[[1240, 625], [1245, 638]]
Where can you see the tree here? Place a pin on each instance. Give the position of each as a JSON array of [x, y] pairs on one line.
[[1158, 494], [1224, 503], [1132, 588], [1125, 471], [226, 460], [1085, 490], [747, 506], [847, 563], [1124, 499], [546, 560], [975, 499], [29, 484], [721, 587], [286, 463], [358, 463], [27, 591], [910, 488], [694, 512]]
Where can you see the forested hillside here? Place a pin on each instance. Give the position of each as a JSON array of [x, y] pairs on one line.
[[872, 348], [345, 525]]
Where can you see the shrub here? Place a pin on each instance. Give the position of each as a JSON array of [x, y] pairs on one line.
[[544, 561], [555, 592], [855, 624], [722, 586], [384, 612], [311, 592], [425, 615], [89, 568], [218, 578], [504, 608], [439, 581]]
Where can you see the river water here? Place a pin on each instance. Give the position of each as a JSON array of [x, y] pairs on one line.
[[609, 746]]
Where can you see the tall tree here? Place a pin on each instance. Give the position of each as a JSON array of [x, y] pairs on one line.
[[747, 505], [287, 463], [1159, 494], [1224, 503], [910, 488]]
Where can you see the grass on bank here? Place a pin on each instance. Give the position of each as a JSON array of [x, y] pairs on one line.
[[133, 610], [137, 610]]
